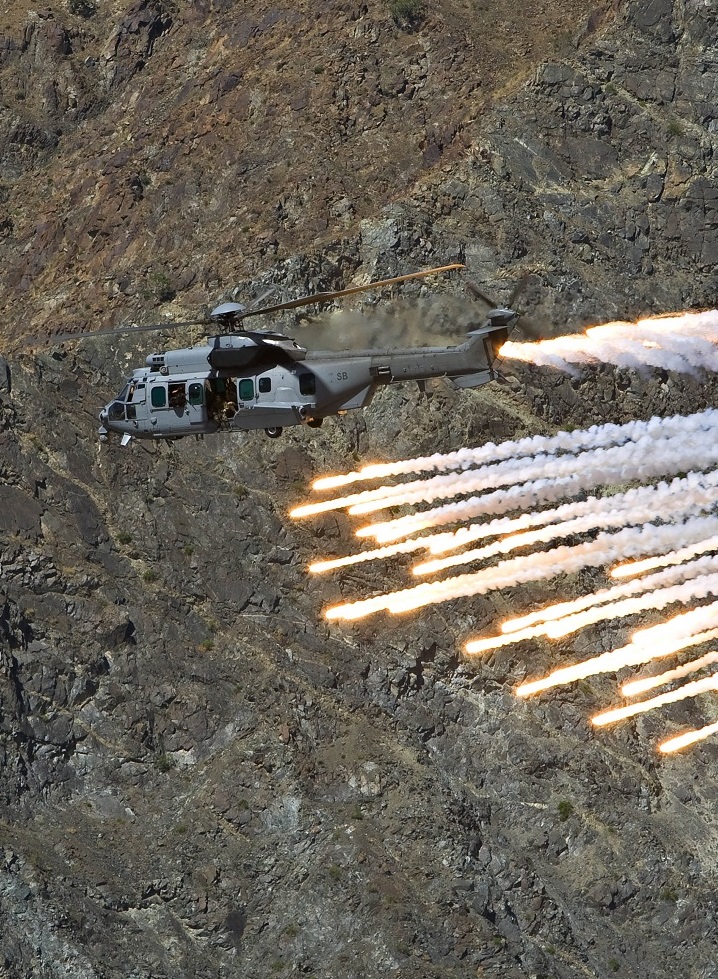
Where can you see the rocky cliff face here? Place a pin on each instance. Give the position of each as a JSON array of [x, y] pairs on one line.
[[199, 776]]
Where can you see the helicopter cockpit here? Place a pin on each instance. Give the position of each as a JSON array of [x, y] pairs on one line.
[[124, 407]]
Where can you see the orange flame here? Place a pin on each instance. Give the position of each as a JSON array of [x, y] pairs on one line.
[[687, 739], [631, 655], [682, 693], [374, 471], [405, 547], [636, 687], [478, 646], [632, 568]]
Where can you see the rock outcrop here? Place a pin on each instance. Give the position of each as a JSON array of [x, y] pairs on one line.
[[198, 775]]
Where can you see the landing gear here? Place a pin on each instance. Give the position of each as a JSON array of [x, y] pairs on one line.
[[315, 422], [274, 433]]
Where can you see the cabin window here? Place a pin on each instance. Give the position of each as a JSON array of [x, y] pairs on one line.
[[265, 385], [159, 397], [307, 384], [246, 389], [196, 393], [176, 395]]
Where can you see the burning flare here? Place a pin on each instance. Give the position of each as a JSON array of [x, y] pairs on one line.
[[527, 494], [634, 568], [636, 687], [634, 654], [687, 739], [684, 343], [693, 689]]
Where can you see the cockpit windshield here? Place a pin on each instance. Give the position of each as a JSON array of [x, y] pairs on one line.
[[122, 396]]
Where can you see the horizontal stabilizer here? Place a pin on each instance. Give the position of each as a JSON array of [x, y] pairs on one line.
[[473, 380]]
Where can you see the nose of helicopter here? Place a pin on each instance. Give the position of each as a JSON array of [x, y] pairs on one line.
[[103, 431]]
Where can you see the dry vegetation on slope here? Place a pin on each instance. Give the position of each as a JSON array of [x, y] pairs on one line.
[[176, 149], [198, 777]]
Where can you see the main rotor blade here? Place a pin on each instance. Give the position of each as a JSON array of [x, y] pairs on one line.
[[510, 302], [323, 297], [478, 294], [116, 331], [260, 299], [317, 297], [518, 289]]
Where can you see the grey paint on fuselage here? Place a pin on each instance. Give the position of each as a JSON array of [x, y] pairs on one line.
[[271, 382]]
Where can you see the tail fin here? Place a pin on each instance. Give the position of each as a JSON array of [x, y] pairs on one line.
[[485, 344], [495, 331]]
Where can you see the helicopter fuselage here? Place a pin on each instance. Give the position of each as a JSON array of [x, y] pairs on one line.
[[251, 381]]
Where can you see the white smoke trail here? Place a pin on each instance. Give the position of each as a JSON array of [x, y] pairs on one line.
[[501, 501], [695, 491], [658, 494], [692, 689], [561, 477], [694, 429], [636, 687], [667, 641], [609, 512], [531, 494], [631, 541], [692, 628], [688, 738], [680, 628], [642, 460], [595, 437], [664, 328], [686, 346], [380, 554], [635, 568], [700, 587], [536, 624]]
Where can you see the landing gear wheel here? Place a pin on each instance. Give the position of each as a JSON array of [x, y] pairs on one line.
[[274, 433], [315, 422]]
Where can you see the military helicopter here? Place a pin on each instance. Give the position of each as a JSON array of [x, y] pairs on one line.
[[245, 380]]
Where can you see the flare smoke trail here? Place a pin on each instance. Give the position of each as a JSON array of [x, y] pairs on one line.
[[502, 501], [658, 529], [700, 487], [684, 344], [645, 458], [694, 432], [403, 547], [634, 568], [687, 690], [595, 437], [636, 687], [695, 491], [699, 587], [658, 460], [688, 738], [634, 654], [681, 632], [533, 567], [539, 623], [606, 513]]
